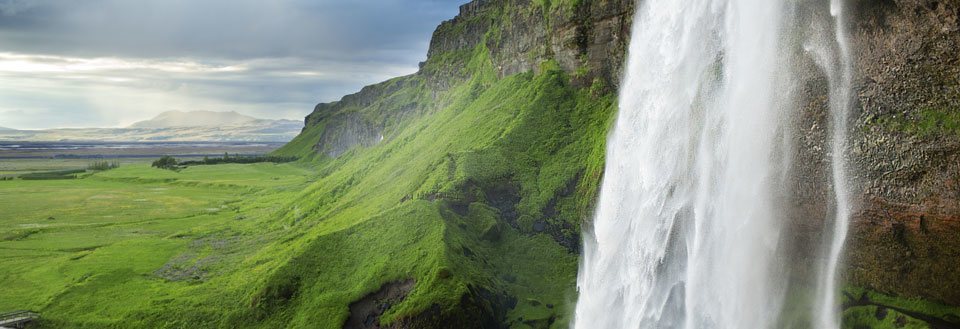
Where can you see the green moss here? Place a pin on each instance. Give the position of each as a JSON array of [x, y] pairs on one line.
[[910, 305], [925, 123], [873, 317]]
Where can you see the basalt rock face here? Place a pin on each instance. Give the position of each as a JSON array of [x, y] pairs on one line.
[[906, 232], [344, 128], [587, 39], [588, 36], [345, 132], [904, 156]]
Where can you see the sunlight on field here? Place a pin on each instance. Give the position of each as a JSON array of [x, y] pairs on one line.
[[75, 246], [240, 175], [16, 167]]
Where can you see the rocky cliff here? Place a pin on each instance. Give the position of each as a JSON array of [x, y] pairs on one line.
[[903, 155], [587, 39], [906, 235], [904, 238], [517, 180]]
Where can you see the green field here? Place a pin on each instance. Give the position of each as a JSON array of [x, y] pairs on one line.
[[17, 167], [93, 251]]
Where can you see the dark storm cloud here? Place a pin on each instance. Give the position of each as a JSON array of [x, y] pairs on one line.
[[267, 58]]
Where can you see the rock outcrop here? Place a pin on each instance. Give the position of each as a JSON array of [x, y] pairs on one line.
[[906, 232], [586, 38], [904, 157]]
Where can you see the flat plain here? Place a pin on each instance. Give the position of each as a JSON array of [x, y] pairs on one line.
[[89, 251]]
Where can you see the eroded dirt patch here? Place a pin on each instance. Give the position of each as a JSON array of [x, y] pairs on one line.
[[365, 313]]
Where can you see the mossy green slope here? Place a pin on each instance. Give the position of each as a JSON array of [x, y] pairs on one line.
[[478, 198], [475, 193]]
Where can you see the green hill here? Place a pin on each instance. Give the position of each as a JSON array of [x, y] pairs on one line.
[[447, 198], [469, 182]]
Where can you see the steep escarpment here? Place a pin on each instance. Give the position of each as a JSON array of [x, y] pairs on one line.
[[466, 181], [907, 148], [903, 156], [586, 39], [470, 178]]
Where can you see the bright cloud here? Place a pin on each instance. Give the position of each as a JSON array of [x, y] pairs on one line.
[[109, 63]]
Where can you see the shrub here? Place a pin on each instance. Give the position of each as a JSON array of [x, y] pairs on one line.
[[165, 162]]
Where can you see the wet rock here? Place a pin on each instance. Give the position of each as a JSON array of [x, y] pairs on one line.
[[907, 214]]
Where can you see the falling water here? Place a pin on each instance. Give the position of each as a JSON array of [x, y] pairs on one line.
[[688, 227], [840, 75]]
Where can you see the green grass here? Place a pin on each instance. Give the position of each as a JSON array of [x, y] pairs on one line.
[[86, 252], [880, 311], [529, 133], [18, 167], [51, 175], [874, 318], [227, 175]]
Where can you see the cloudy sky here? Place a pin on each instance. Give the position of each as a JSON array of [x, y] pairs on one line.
[[109, 63]]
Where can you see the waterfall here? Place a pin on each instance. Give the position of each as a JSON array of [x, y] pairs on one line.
[[840, 76], [688, 231]]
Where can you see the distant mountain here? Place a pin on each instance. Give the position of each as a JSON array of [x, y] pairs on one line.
[[7, 129], [174, 126], [177, 119]]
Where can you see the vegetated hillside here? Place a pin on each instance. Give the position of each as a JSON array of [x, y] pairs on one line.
[[459, 190], [497, 144], [453, 197]]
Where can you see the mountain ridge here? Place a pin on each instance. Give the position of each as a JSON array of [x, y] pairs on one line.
[[173, 126], [180, 119]]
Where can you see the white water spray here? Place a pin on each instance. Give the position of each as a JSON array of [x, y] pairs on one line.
[[841, 79], [688, 229]]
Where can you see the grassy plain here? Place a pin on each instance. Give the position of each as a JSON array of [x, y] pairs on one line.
[[101, 250], [17, 167]]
